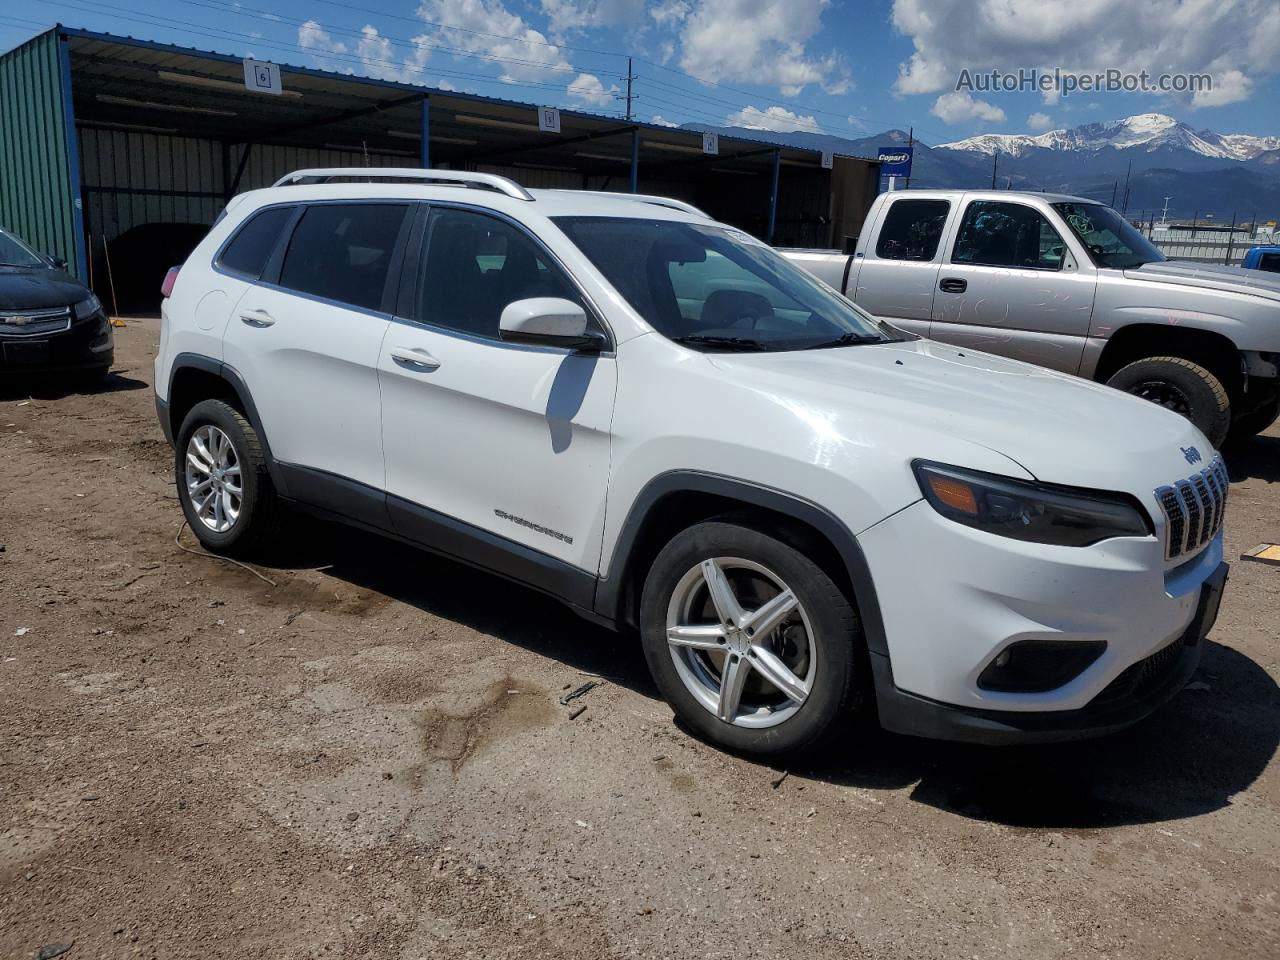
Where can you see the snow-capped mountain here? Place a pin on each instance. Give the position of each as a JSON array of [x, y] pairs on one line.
[[1147, 131]]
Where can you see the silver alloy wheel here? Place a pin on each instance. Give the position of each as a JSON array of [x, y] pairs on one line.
[[214, 484], [741, 642]]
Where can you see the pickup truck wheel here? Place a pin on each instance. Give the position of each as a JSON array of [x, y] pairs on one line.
[[223, 484], [1183, 387], [752, 644]]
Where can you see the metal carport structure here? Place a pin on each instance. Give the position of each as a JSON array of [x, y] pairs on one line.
[[102, 133]]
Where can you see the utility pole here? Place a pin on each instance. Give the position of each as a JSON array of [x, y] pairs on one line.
[[630, 77], [1114, 187], [1231, 240], [1125, 202], [995, 162], [1164, 215]]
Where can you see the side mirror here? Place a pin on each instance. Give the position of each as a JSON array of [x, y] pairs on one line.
[[57, 263], [548, 322]]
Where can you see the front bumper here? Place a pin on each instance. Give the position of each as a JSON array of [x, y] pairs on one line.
[[954, 599], [87, 346], [1134, 694]]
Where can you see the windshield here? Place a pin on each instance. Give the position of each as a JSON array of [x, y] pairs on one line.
[[1112, 241], [716, 288], [15, 253]]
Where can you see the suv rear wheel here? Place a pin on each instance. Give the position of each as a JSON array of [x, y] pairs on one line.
[[223, 485], [1183, 387], [752, 644]]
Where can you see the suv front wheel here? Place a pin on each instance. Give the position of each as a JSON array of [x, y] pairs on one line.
[[752, 644], [223, 485]]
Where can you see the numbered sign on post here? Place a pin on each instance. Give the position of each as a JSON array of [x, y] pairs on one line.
[[711, 143], [548, 119], [262, 77]]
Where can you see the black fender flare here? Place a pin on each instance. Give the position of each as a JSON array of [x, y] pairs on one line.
[[231, 376], [608, 598]]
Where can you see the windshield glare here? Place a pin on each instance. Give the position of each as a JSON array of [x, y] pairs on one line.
[[1112, 241], [716, 288], [15, 253]]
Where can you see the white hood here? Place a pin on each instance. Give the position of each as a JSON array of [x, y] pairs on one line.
[[1060, 428]]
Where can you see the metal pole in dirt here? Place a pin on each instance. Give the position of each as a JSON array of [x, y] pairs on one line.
[[111, 283], [1231, 240]]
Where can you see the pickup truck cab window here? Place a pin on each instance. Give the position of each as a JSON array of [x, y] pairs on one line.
[[912, 229], [1112, 241], [998, 234], [712, 288]]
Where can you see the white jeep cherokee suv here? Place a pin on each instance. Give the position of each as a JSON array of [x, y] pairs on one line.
[[655, 418]]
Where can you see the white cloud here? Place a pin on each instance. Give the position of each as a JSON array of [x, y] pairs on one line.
[[481, 26], [960, 107], [1090, 36], [587, 88], [566, 15], [777, 119], [662, 121], [312, 36], [1230, 87], [1039, 121], [377, 55], [761, 42], [669, 11]]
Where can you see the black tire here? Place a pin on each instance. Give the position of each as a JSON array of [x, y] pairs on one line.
[[840, 685], [260, 509], [1182, 386], [1255, 421]]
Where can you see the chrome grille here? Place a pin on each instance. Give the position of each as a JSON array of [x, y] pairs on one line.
[[34, 323], [1194, 509]]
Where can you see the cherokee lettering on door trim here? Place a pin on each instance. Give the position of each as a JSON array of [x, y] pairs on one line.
[[536, 527]]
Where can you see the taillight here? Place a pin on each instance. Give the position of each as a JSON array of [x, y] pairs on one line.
[[170, 278]]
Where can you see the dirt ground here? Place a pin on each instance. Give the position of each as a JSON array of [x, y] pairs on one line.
[[368, 758]]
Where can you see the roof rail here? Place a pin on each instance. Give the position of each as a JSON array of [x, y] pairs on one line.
[[463, 178], [649, 198]]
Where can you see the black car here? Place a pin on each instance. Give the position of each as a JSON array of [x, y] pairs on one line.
[[49, 321]]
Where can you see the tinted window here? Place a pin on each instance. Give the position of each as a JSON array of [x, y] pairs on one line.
[[912, 229], [251, 247], [1269, 262], [475, 266], [342, 251], [715, 288], [998, 234]]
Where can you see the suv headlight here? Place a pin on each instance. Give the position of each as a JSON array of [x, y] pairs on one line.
[[1040, 513], [87, 308]]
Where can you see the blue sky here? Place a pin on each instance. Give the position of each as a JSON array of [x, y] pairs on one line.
[[844, 67]]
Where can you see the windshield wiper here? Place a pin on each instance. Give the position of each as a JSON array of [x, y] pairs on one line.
[[847, 340], [724, 343]]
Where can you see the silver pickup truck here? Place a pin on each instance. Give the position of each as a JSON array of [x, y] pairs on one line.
[[1068, 283]]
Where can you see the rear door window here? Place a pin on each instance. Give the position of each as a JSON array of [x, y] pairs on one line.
[[912, 229], [343, 252], [1269, 262], [254, 242]]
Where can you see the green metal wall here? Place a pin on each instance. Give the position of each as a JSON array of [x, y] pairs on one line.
[[39, 187]]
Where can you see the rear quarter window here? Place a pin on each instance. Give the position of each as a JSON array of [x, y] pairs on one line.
[[253, 243]]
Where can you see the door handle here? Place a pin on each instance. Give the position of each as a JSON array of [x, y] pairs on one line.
[[257, 318], [953, 285], [415, 359]]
